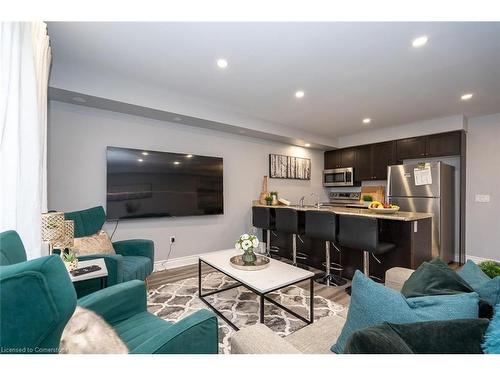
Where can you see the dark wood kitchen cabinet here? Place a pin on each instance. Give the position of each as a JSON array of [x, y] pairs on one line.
[[411, 148], [372, 161], [341, 158], [383, 156], [364, 165], [434, 145], [444, 144]]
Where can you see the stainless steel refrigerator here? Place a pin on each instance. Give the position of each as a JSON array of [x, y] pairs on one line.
[[427, 187]]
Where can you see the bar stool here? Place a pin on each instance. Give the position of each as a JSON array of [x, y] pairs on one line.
[[264, 218], [323, 225], [361, 233], [289, 220]]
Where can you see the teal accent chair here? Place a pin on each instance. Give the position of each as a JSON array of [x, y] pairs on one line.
[[133, 260], [37, 299]]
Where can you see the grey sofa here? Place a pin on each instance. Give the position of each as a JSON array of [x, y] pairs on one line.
[[316, 338]]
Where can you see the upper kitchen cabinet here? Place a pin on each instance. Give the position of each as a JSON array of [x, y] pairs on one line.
[[383, 156], [372, 161], [411, 148], [341, 158], [443, 144]]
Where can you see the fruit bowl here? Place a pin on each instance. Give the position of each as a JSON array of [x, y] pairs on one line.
[[382, 208]]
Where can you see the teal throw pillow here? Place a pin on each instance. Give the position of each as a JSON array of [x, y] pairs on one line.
[[487, 288], [373, 304], [491, 344]]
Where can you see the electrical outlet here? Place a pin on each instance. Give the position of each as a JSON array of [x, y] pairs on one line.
[[172, 239], [482, 198]]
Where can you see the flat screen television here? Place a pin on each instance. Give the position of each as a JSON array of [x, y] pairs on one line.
[[143, 183]]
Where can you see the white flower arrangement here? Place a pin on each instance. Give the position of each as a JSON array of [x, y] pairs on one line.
[[246, 242]]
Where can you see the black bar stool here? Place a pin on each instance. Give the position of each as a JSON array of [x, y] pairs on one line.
[[291, 221], [323, 225], [264, 218], [361, 233]]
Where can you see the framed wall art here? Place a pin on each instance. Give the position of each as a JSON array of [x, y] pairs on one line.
[[290, 167]]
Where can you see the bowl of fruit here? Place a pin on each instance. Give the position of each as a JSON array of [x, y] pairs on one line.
[[383, 208]]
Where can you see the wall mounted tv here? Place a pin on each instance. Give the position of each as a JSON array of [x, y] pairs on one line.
[[143, 183]]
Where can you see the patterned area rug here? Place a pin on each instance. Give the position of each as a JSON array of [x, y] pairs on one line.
[[177, 300]]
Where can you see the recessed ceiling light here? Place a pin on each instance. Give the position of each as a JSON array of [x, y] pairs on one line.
[[222, 63], [177, 162], [189, 156], [299, 94], [145, 153], [467, 96], [307, 145], [79, 99], [420, 41], [367, 120], [140, 160]]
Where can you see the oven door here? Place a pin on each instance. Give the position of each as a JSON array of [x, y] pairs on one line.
[[338, 177]]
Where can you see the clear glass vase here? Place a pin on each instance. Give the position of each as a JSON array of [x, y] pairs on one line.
[[249, 256]]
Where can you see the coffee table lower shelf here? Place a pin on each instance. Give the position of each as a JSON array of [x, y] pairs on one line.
[[262, 297]]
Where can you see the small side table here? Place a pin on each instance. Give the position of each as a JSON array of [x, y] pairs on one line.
[[101, 274]]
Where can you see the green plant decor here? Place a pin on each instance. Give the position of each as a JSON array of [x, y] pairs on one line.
[[367, 198], [490, 268], [269, 199], [69, 257], [275, 193]]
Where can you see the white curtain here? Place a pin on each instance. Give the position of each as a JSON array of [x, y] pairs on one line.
[[24, 71]]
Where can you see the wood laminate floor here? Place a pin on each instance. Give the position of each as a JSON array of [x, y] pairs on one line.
[[156, 279]]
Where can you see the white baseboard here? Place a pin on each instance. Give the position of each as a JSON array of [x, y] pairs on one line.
[[161, 265], [478, 259]]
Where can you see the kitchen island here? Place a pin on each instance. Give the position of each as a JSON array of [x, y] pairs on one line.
[[409, 231]]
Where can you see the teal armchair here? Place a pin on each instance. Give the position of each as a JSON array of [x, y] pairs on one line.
[[134, 259], [124, 307], [37, 299]]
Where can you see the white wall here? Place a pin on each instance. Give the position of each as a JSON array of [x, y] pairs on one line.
[[78, 137], [483, 177]]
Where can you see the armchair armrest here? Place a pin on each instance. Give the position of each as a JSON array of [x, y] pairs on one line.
[[117, 302], [196, 334], [395, 277], [260, 339], [113, 264], [135, 247]]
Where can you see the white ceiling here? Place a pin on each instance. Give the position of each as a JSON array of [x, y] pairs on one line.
[[348, 70]]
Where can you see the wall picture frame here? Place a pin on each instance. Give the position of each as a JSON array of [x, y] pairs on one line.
[[289, 167]]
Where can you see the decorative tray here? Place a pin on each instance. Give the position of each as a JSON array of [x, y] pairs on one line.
[[261, 263]]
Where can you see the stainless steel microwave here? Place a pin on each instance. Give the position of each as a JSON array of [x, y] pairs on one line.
[[338, 177]]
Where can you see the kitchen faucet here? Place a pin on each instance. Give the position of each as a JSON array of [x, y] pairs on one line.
[[301, 201], [318, 205]]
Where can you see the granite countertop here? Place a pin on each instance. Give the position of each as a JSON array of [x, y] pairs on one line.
[[400, 215]]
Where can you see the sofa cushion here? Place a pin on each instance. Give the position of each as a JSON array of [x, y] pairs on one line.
[[462, 336], [437, 278], [136, 268], [317, 338], [373, 304], [491, 344], [137, 329], [486, 287], [87, 222]]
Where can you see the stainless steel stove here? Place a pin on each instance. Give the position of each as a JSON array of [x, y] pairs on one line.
[[344, 199]]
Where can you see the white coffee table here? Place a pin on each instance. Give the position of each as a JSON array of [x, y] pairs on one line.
[[276, 276], [99, 274]]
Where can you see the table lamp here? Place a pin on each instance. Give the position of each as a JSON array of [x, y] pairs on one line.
[[53, 228]]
